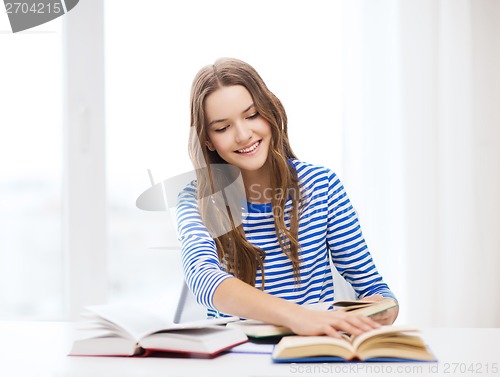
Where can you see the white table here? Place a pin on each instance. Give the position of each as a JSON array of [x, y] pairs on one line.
[[39, 349]]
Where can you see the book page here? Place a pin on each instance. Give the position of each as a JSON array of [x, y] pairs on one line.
[[128, 320], [384, 330], [134, 322], [395, 345], [308, 346], [206, 340], [367, 308]]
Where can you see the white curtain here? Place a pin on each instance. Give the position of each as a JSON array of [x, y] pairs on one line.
[[421, 130]]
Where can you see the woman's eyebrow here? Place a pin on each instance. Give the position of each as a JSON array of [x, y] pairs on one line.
[[225, 120], [248, 108]]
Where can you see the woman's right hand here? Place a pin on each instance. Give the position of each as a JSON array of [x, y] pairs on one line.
[[235, 297], [304, 321]]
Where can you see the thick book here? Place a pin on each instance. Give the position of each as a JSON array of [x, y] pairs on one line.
[[117, 330], [388, 343], [258, 329]]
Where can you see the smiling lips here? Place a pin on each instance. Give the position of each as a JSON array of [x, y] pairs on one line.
[[250, 149]]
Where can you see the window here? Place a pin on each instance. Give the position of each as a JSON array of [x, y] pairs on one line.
[[31, 255]]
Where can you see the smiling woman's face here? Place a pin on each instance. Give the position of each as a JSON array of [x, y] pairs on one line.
[[235, 129]]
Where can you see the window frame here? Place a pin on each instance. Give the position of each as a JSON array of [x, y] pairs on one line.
[[84, 225]]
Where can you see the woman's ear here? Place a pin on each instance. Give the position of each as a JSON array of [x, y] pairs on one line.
[[209, 145]]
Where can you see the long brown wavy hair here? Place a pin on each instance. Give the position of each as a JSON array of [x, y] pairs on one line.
[[239, 256]]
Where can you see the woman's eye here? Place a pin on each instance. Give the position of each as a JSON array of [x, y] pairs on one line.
[[253, 116], [221, 129]]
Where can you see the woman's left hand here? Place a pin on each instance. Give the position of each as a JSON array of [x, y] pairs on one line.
[[388, 316]]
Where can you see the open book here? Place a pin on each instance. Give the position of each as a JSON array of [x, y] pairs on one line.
[[118, 330], [368, 307], [257, 329], [388, 343]]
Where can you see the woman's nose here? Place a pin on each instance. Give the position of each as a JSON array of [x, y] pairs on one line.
[[243, 133]]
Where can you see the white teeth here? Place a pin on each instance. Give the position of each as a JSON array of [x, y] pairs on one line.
[[249, 149]]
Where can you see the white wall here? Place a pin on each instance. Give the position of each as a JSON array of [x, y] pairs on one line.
[[422, 152]]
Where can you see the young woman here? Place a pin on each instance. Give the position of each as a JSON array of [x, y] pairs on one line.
[[266, 256]]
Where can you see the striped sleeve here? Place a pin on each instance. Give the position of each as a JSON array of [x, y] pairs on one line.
[[348, 249], [202, 269]]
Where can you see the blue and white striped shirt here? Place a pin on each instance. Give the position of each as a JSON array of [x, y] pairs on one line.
[[328, 228]]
